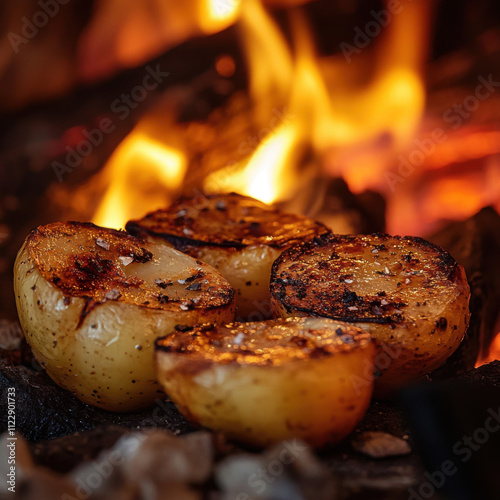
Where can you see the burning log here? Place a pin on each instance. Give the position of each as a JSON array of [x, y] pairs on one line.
[[475, 244]]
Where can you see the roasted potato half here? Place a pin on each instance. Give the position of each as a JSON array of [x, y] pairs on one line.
[[262, 382], [239, 236], [91, 302], [408, 293]]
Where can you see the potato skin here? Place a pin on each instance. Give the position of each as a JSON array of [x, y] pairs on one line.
[[102, 353], [409, 294], [263, 397], [238, 235]]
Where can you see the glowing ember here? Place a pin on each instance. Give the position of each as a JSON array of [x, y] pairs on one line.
[[493, 353]]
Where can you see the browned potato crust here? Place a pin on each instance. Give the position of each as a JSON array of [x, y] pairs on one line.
[[91, 302], [238, 235], [263, 382], [408, 293]]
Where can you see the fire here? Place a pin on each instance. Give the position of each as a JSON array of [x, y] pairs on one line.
[[335, 114], [493, 352], [316, 117], [266, 176], [214, 15], [124, 33], [327, 109], [142, 175]]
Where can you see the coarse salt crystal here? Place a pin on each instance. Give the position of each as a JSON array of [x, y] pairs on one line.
[[102, 243], [113, 294], [126, 259], [239, 338]]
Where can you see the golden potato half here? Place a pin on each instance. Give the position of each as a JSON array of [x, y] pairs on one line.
[[263, 382], [91, 302], [408, 293], [238, 235]]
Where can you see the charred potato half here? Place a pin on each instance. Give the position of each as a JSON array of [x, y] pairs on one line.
[[239, 236], [262, 382], [91, 302], [408, 293]]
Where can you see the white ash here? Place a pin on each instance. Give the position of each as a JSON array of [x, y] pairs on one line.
[[156, 464], [162, 457], [296, 472], [151, 462]]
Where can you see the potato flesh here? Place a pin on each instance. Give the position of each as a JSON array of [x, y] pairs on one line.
[[296, 387], [238, 235], [104, 354], [248, 271], [411, 296]]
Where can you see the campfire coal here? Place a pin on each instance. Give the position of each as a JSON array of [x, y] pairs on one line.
[[369, 117]]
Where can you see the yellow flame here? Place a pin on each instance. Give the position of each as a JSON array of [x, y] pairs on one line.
[[266, 176], [331, 108], [325, 109], [268, 58], [141, 173], [214, 15]]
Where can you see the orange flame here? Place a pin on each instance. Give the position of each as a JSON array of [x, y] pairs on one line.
[[126, 33], [214, 15], [326, 109], [143, 175], [493, 352], [322, 108]]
